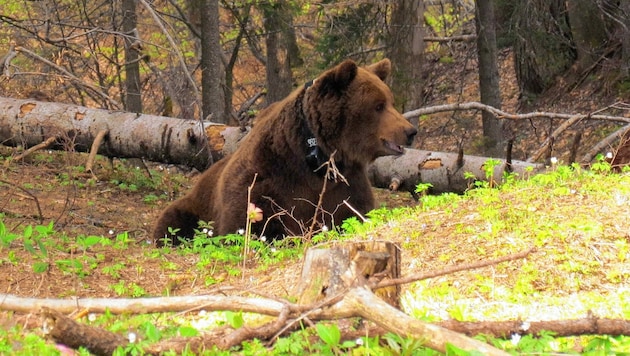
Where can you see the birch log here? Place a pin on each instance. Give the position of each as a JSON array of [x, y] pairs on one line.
[[26, 122]]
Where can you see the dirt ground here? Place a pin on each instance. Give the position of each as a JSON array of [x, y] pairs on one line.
[[47, 188]]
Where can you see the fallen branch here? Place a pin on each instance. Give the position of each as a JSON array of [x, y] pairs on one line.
[[500, 114], [49, 141], [604, 144], [75, 335], [94, 150], [591, 325], [143, 305], [40, 216], [454, 269]]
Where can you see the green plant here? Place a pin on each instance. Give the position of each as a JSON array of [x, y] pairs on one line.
[[331, 336]]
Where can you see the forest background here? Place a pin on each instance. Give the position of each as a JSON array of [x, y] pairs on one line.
[[225, 60]]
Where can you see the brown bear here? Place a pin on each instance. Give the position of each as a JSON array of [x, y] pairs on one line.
[[347, 113]]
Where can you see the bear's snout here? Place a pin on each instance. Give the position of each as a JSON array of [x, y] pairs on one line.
[[411, 134]]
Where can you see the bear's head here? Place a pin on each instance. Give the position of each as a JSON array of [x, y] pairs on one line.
[[351, 111]]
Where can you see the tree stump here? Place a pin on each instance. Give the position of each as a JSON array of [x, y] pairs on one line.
[[328, 272]]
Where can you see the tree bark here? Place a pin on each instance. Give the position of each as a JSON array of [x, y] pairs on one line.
[[588, 29], [543, 46], [406, 50], [156, 138], [213, 105], [489, 90], [133, 98], [625, 38], [279, 76], [323, 268]]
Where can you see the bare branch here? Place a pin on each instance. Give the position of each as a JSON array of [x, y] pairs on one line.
[[70, 76], [505, 115]]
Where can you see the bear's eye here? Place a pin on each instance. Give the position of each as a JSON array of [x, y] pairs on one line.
[[380, 107]]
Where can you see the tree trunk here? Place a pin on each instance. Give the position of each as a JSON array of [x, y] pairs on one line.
[[588, 28], [211, 65], [132, 99], [543, 46], [406, 50], [162, 139], [279, 77], [625, 39], [490, 92]]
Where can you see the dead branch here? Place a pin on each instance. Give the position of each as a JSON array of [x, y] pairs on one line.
[[174, 47], [604, 144], [49, 141], [460, 38], [362, 302], [591, 325], [143, 305], [70, 76], [74, 334], [453, 269], [32, 196], [545, 145], [94, 150], [505, 115]]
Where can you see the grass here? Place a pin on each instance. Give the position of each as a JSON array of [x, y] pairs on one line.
[[576, 218]]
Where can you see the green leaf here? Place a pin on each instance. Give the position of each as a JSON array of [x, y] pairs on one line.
[[329, 334], [40, 267], [152, 333], [187, 331], [28, 246], [28, 232], [234, 319]]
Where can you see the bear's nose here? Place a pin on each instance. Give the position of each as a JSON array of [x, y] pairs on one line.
[[411, 133]]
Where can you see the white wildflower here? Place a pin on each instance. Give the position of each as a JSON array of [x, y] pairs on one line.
[[554, 160], [132, 337], [111, 232], [525, 326], [324, 228], [241, 231], [263, 238], [92, 316], [359, 341], [515, 339], [609, 155]]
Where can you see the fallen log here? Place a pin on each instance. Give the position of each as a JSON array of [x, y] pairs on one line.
[[198, 144], [162, 139]]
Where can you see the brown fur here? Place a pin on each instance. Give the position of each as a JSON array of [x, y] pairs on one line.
[[348, 109]]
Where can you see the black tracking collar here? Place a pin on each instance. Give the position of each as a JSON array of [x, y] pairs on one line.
[[315, 157]]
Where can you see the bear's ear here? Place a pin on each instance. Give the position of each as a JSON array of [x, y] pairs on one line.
[[339, 78], [382, 69]]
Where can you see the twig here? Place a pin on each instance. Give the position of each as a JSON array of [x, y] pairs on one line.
[[453, 269], [70, 76], [545, 145], [39, 209], [363, 218], [175, 47], [605, 143], [49, 141], [505, 115], [94, 150]]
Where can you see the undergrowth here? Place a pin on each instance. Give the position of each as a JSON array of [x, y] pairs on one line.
[[575, 217]]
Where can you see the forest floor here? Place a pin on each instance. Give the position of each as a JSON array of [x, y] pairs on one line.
[[124, 197]]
